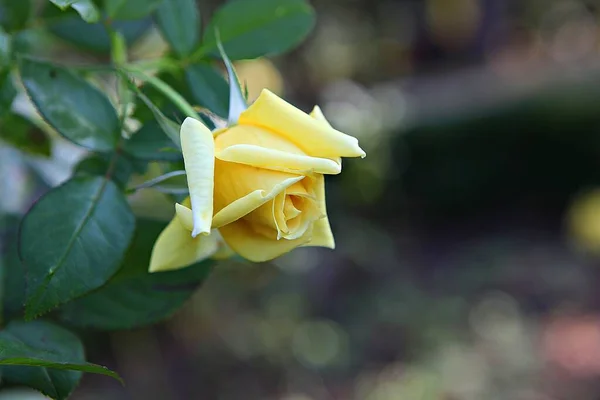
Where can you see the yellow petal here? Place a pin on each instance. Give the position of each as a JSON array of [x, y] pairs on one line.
[[198, 150], [224, 250], [321, 234], [254, 246], [184, 215], [311, 135], [240, 189], [262, 148], [317, 114], [175, 248]]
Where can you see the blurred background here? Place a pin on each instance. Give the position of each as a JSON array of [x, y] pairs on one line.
[[466, 265]]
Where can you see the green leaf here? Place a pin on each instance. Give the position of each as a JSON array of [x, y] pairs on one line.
[[7, 92], [130, 9], [251, 29], [179, 22], [168, 126], [69, 26], [151, 144], [160, 100], [73, 240], [45, 357], [134, 297], [209, 88], [173, 95], [14, 14], [72, 106], [12, 274], [86, 8], [5, 48], [99, 165], [21, 133]]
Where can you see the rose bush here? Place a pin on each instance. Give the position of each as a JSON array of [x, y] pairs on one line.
[[257, 187]]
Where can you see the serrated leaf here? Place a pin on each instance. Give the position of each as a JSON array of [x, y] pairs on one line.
[[134, 297], [73, 240], [130, 9], [86, 8], [24, 135], [72, 106], [45, 357], [150, 143], [250, 29], [179, 22], [209, 88]]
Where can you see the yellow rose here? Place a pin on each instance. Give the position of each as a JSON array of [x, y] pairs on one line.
[[256, 187]]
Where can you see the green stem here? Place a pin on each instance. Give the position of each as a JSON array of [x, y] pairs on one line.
[[159, 64], [195, 56], [161, 86]]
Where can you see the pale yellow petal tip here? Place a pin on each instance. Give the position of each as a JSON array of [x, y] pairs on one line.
[[192, 124]]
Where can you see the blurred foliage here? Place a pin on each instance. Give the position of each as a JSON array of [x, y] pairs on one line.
[[466, 260]]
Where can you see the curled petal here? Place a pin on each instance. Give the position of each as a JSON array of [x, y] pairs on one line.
[[240, 189], [278, 160], [249, 203], [314, 137], [321, 234], [198, 149], [262, 148]]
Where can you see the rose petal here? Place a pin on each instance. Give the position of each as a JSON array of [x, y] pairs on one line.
[[321, 234], [256, 247], [240, 189], [314, 137], [175, 248], [197, 145], [259, 147]]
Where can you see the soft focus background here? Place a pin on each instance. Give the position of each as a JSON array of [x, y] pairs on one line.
[[467, 251]]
